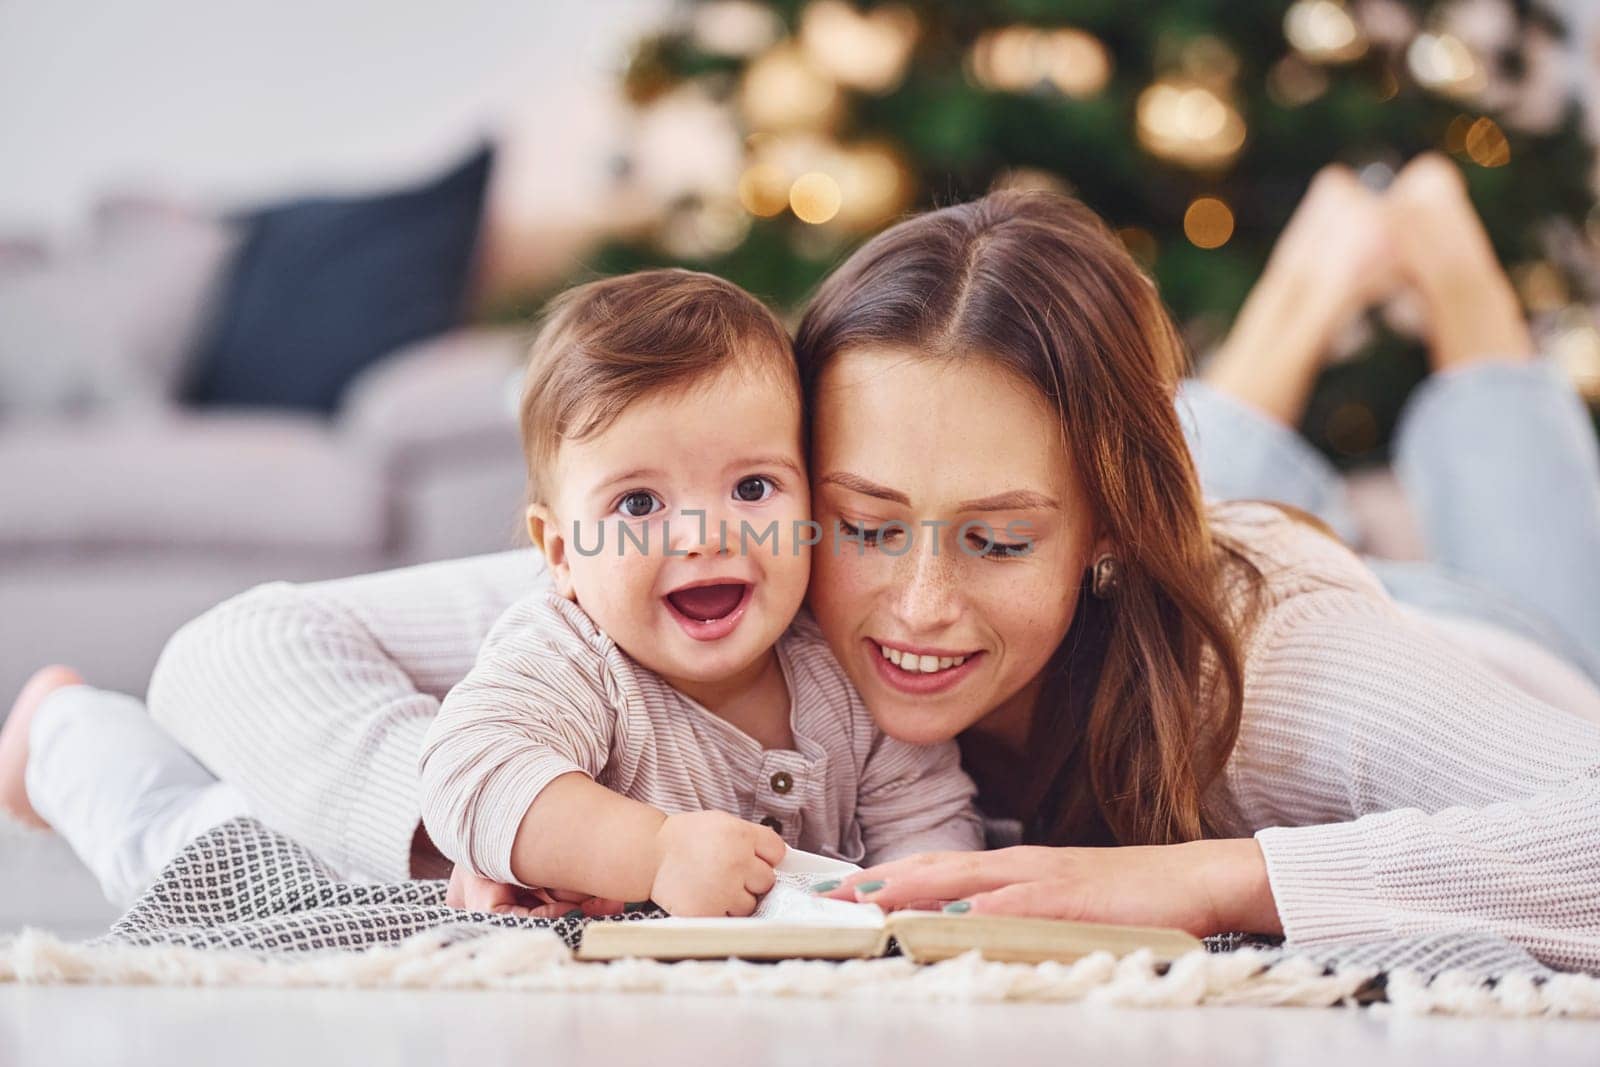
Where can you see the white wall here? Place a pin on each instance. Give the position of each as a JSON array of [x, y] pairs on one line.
[[233, 101]]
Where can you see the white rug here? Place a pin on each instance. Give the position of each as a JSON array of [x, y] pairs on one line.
[[539, 961]]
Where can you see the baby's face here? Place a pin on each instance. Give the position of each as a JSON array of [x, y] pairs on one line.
[[654, 492]]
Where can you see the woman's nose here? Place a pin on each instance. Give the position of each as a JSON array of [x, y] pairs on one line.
[[927, 595]]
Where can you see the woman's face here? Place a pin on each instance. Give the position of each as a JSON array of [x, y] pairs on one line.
[[984, 529]]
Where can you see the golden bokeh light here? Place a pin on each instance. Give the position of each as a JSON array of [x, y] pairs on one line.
[[1324, 31], [1189, 124], [1575, 348], [874, 185], [1292, 82], [866, 50], [764, 189], [1542, 286], [1019, 59], [783, 91], [703, 227], [1140, 243], [815, 197], [1208, 223], [1445, 63], [1209, 60], [735, 28], [1486, 144]]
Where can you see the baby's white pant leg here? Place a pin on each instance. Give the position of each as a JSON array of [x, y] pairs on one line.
[[125, 795]]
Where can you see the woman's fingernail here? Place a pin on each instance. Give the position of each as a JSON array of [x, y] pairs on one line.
[[575, 913], [866, 888], [636, 905], [826, 887], [958, 907]]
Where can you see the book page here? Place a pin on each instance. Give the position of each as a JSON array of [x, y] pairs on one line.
[[791, 900]]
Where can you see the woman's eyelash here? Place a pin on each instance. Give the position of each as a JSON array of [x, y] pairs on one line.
[[870, 536], [1004, 550], [866, 535]]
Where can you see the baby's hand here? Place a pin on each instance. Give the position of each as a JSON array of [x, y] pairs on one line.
[[713, 863], [472, 892]]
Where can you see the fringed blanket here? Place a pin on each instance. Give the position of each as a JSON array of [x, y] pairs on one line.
[[243, 905]]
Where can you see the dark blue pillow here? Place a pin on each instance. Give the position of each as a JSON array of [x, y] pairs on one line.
[[324, 287]]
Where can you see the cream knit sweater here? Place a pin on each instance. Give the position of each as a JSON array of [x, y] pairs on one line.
[[1397, 785]]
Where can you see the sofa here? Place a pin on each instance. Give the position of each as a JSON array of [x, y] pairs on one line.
[[115, 530]]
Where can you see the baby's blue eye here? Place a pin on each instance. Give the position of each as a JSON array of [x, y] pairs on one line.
[[638, 504], [754, 489]]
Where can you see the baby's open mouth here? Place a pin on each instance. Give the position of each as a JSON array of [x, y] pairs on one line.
[[707, 603]]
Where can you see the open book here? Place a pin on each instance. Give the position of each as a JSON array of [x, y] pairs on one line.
[[793, 923]]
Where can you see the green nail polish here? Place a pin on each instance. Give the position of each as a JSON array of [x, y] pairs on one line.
[[958, 907], [637, 905], [575, 913], [826, 887], [869, 887]]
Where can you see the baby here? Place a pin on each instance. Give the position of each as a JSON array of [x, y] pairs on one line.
[[664, 720]]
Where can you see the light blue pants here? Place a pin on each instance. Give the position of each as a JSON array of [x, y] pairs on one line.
[[1501, 465]]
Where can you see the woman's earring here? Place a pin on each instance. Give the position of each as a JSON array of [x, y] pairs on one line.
[[1107, 574]]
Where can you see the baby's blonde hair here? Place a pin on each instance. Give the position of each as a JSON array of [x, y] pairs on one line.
[[604, 345]]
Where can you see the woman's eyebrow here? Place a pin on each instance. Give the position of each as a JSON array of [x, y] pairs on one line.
[[866, 487], [1014, 500]]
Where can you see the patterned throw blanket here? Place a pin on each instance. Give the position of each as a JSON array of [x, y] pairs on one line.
[[242, 891]]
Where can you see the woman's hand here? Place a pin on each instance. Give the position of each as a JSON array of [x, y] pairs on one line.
[[1204, 887], [471, 893]]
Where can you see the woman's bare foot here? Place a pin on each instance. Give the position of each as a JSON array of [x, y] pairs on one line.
[[14, 733], [1471, 310], [1332, 260]]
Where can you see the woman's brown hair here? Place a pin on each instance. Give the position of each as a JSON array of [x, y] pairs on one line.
[[1142, 702]]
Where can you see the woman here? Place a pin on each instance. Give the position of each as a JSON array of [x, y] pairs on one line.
[[1143, 675]]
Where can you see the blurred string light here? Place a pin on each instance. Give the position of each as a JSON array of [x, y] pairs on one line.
[[1324, 31], [1141, 244], [1019, 59], [856, 187], [867, 50], [736, 28], [781, 90], [1575, 347], [815, 197], [1189, 124], [1443, 63], [702, 226], [1292, 82], [1487, 145], [1542, 287], [1480, 140], [1208, 222]]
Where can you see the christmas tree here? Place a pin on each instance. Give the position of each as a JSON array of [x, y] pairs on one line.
[[1193, 126]]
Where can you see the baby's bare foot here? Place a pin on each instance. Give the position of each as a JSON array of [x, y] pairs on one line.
[[1470, 309], [14, 733]]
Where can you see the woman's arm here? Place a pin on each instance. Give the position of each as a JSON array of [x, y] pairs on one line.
[[1397, 789], [1449, 798], [313, 699]]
